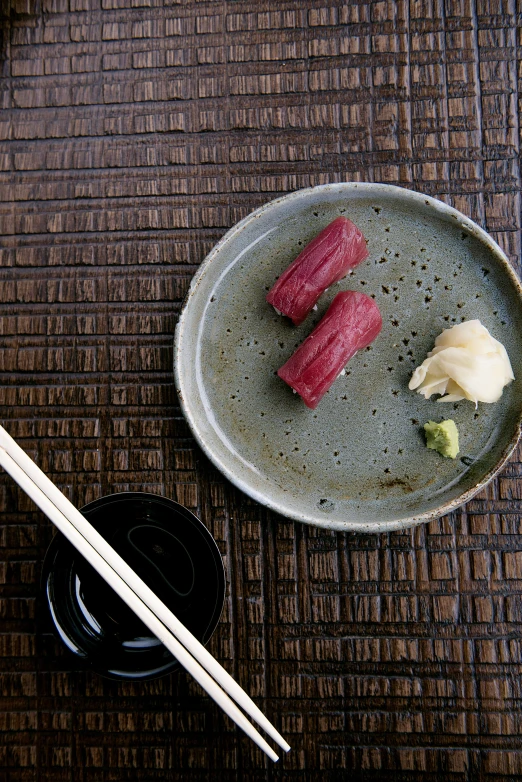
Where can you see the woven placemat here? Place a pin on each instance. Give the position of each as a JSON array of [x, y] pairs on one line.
[[133, 133]]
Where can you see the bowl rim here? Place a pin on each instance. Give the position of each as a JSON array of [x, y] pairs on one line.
[[58, 539], [440, 208]]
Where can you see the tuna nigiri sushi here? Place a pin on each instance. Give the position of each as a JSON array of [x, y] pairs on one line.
[[327, 259], [352, 321]]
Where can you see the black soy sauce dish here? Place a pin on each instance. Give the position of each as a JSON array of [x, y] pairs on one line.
[[174, 554]]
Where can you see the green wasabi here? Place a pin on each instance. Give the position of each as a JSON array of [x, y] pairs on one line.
[[443, 437]]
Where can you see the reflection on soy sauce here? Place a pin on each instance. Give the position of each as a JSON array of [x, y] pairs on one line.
[[160, 558], [165, 557]]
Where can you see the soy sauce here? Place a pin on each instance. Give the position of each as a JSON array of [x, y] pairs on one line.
[[171, 551]]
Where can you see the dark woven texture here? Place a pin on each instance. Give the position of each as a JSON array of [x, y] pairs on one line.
[[133, 133]]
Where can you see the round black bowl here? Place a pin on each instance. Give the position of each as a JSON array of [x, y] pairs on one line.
[[174, 554]]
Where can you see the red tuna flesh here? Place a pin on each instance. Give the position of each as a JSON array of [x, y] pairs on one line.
[[352, 321], [327, 259]]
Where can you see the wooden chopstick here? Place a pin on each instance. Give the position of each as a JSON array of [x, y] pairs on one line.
[[120, 575]]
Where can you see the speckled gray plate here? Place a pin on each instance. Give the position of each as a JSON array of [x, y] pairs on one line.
[[357, 462]]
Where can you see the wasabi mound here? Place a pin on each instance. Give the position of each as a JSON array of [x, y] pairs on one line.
[[443, 437]]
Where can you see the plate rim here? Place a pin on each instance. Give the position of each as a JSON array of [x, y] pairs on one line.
[[416, 196]]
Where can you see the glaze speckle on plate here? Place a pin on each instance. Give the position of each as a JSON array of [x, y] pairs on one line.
[[359, 460]]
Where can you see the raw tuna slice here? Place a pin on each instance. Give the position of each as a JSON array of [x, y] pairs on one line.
[[352, 321], [327, 259]]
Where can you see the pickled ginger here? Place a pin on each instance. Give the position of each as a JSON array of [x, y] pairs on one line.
[[466, 363]]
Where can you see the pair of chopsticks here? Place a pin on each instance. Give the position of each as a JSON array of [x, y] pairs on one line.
[[139, 597]]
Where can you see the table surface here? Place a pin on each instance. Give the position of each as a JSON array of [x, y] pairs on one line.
[[133, 134]]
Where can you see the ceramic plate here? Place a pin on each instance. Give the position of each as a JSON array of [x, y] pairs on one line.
[[359, 461]]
